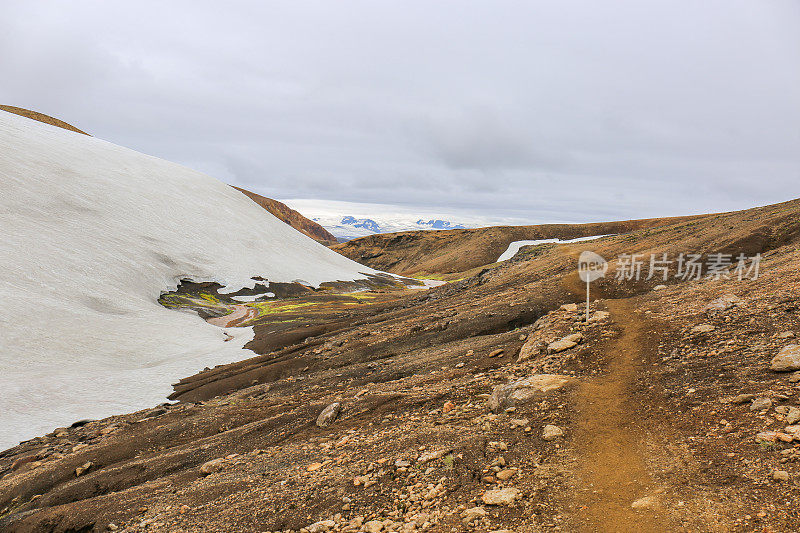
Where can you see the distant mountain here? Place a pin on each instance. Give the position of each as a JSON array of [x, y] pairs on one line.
[[440, 224], [349, 227], [366, 223]]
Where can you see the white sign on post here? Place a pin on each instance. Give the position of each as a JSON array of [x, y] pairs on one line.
[[591, 267]]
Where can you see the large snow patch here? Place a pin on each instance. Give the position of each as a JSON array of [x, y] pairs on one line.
[[515, 246], [92, 233]]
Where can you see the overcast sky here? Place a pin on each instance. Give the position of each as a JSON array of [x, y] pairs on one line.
[[553, 110]]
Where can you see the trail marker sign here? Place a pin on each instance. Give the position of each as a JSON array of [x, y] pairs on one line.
[[591, 267]]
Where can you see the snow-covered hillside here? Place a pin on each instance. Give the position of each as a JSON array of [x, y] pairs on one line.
[[92, 234]]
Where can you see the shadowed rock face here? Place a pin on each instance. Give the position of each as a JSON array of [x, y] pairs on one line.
[[291, 217]]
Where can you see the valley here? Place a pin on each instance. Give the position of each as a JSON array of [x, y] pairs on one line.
[[455, 408]]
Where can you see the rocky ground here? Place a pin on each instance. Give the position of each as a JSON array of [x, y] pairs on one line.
[[486, 404]]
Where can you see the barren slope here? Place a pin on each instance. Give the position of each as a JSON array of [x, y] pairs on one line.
[[291, 217], [446, 402], [41, 117]]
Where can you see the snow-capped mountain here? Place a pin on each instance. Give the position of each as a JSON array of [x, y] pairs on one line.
[[439, 224], [350, 220], [93, 233], [350, 227]]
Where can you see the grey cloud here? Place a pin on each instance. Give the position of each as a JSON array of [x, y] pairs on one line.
[[569, 110]]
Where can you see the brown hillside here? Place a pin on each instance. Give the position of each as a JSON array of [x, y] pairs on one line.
[[291, 217], [466, 407], [41, 117], [448, 251]]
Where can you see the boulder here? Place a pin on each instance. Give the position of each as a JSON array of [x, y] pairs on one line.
[[760, 404], [321, 527], [551, 432], [83, 468], [780, 475], [570, 308], [473, 514], [787, 360], [532, 347], [722, 303], [373, 526], [524, 389], [570, 341], [743, 398], [212, 466], [329, 415], [506, 496]]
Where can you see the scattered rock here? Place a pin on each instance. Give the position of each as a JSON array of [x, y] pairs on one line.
[[212, 466], [329, 415], [473, 514], [599, 316], [773, 436], [495, 353], [761, 404], [788, 359], [321, 526], [505, 475], [551, 432], [534, 346], [506, 496], [519, 422], [430, 456], [793, 416], [83, 468], [570, 341], [743, 398], [448, 406], [524, 389], [703, 328], [722, 304], [373, 526], [560, 346]]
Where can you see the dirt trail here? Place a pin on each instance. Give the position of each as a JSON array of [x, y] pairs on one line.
[[612, 472]]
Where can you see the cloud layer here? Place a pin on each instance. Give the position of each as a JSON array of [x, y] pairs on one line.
[[572, 110]]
